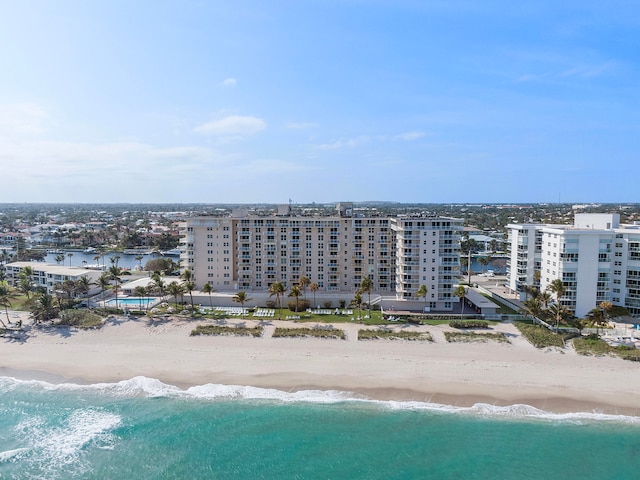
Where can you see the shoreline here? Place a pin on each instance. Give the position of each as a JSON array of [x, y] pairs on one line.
[[550, 405], [456, 374]]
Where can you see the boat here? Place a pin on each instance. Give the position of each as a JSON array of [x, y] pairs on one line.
[[137, 251], [173, 251], [89, 250]]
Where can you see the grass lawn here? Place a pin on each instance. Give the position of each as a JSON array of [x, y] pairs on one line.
[[21, 302], [503, 308], [376, 317]]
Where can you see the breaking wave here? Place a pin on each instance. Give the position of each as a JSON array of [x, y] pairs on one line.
[[153, 388]]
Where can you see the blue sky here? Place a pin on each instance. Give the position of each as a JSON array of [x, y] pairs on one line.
[[254, 101]]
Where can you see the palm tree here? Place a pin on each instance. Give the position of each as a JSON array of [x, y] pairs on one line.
[[314, 288], [606, 309], [44, 308], [59, 258], [27, 272], [357, 302], [158, 284], [141, 293], [545, 298], [296, 293], [189, 287], [25, 283], [600, 315], [241, 298], [558, 289], [6, 294], [4, 257], [175, 289], [530, 291], [114, 274], [83, 285], [104, 282], [460, 292], [69, 255], [365, 287], [278, 289], [208, 289], [304, 283], [596, 317], [139, 260], [24, 286], [422, 292], [533, 307], [187, 276], [115, 288]]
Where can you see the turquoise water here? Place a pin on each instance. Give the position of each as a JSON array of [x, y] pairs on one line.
[[143, 429], [133, 301]]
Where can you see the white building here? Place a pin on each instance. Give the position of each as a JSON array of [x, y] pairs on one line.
[[427, 253], [597, 259], [46, 275]]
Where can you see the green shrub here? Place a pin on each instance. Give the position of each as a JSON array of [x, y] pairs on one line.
[[475, 337], [226, 330], [80, 319], [392, 335], [309, 332], [326, 304], [628, 352], [594, 345], [469, 324], [302, 305], [539, 336]]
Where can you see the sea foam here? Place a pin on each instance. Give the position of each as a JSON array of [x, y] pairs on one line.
[[50, 447], [153, 388]]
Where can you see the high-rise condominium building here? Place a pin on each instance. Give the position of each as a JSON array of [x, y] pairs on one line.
[[399, 254], [597, 259]]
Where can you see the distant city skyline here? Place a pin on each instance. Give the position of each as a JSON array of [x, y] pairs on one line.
[[316, 101]]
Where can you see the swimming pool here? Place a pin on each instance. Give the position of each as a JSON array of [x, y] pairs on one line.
[[146, 302]]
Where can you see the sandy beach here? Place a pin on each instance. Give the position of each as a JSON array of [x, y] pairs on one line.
[[451, 373]]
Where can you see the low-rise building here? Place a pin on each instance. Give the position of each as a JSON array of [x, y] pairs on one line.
[[47, 276]]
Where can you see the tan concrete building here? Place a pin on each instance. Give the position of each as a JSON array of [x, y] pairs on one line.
[[250, 252]]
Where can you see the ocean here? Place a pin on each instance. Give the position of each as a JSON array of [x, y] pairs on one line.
[[143, 429]]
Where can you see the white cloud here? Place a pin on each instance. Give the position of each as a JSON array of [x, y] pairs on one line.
[[366, 139], [270, 166], [409, 136], [233, 125], [22, 118], [349, 142], [228, 82], [300, 125], [584, 71]]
